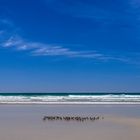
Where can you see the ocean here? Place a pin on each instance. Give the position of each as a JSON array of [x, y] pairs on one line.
[[69, 98]]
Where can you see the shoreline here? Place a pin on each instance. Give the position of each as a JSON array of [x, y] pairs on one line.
[[70, 103]]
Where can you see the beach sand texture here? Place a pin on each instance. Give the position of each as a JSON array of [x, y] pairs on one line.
[[24, 122]]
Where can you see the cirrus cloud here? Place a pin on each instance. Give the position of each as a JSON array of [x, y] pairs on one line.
[[10, 39]]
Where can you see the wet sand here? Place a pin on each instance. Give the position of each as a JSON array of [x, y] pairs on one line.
[[25, 122]]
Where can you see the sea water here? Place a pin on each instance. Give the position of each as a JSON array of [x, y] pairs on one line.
[[69, 98]]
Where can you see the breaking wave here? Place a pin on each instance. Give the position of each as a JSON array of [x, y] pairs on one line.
[[70, 99]]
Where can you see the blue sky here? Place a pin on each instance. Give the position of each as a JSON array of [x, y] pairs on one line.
[[69, 46]]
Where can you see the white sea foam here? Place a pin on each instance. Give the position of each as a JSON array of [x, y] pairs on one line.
[[72, 99]]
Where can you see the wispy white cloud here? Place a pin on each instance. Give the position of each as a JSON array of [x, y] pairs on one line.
[[19, 43], [42, 49], [10, 39]]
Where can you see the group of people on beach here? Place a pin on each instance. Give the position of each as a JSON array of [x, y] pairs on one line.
[[71, 118]]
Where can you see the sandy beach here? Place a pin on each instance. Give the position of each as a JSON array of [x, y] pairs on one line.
[[20, 122]]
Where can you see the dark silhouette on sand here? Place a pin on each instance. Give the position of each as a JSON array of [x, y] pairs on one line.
[[71, 118]]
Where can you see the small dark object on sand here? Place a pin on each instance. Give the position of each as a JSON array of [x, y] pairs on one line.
[[71, 118]]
